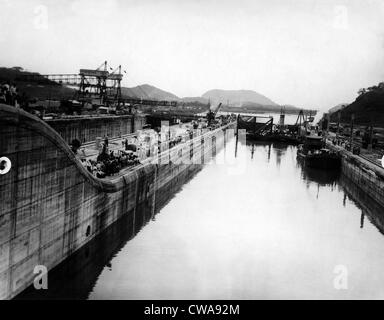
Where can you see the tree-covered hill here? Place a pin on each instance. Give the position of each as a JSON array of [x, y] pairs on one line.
[[368, 107]]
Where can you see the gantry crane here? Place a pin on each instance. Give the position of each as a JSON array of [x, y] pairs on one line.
[[93, 84]]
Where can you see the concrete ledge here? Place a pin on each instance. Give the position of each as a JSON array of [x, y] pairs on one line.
[[366, 175], [11, 116]]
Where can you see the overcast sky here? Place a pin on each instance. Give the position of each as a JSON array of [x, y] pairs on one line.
[[312, 54]]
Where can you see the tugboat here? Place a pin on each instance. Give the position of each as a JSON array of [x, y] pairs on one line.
[[315, 155]]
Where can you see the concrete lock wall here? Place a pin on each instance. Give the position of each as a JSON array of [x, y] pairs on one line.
[[51, 205], [368, 180], [367, 176], [89, 128], [369, 207]]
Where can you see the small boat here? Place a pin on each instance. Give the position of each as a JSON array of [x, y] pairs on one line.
[[315, 155]]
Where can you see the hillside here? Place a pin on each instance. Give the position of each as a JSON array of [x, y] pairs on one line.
[[41, 88], [250, 107], [269, 108], [237, 97], [368, 107], [239, 100], [147, 91], [195, 99], [338, 107]]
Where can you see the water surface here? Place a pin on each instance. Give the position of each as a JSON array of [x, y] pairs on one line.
[[259, 226]]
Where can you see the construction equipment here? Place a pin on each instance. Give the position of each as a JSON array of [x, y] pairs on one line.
[[212, 114], [98, 86], [254, 127]]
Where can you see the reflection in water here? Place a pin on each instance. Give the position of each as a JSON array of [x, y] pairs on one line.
[[361, 199], [280, 150], [75, 278], [368, 206], [269, 152], [271, 229], [319, 176], [344, 200]]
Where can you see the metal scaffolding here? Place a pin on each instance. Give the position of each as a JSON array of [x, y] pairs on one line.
[[93, 84]]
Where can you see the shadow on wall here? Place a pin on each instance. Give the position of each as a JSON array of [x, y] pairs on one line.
[[75, 278]]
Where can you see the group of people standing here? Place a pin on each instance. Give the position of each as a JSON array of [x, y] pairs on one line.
[[9, 94]]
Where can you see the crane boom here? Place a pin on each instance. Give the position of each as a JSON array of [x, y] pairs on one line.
[[212, 113], [217, 109]]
